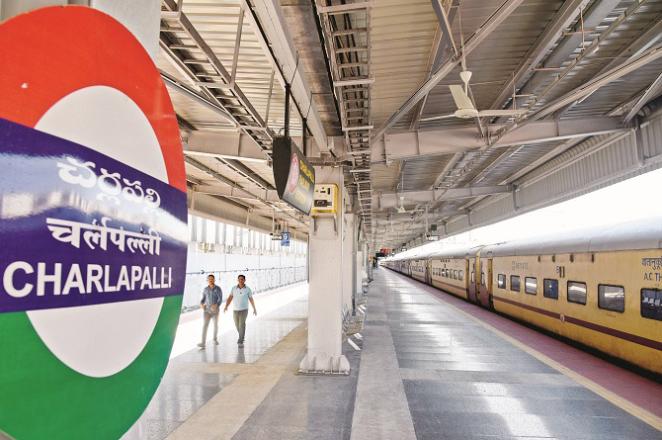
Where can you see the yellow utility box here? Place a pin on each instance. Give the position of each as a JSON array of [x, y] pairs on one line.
[[325, 200]]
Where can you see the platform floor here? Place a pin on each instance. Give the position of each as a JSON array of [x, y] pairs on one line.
[[465, 380], [425, 366]]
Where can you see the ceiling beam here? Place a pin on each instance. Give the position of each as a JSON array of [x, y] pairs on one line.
[[483, 31], [239, 189], [566, 47], [224, 144], [564, 17], [266, 17], [391, 200], [184, 89], [236, 193], [649, 94], [399, 146], [598, 82]]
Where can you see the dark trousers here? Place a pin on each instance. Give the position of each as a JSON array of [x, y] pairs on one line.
[[240, 323]]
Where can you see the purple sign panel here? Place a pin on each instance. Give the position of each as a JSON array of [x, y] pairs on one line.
[[79, 228]]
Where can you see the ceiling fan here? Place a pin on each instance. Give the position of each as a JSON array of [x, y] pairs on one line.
[[465, 106], [401, 206]]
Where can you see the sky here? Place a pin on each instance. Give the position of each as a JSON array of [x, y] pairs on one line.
[[633, 199]]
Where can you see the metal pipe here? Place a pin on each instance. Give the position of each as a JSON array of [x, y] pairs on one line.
[[287, 110]]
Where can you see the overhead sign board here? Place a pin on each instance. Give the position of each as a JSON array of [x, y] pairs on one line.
[[92, 224], [285, 238], [293, 174]]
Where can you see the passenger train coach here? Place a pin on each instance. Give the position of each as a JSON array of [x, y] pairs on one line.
[[602, 289]]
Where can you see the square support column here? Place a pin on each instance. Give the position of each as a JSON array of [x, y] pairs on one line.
[[325, 298], [359, 273], [348, 266]]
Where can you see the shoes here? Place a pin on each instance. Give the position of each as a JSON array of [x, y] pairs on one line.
[[215, 341], [201, 345]]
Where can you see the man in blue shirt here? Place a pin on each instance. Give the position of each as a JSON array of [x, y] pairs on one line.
[[242, 295], [212, 297]]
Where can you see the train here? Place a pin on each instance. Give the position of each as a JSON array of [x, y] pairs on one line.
[[600, 287]]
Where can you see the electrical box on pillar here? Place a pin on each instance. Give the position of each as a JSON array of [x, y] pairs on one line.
[[325, 200]]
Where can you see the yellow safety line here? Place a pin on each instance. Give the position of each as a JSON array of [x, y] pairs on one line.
[[626, 405]]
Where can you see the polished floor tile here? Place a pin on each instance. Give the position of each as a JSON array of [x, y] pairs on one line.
[[184, 389], [306, 407], [464, 382]]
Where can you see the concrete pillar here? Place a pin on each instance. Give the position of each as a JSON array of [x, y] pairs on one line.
[[359, 274], [325, 300], [348, 266], [368, 255]]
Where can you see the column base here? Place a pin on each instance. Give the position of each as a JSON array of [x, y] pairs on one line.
[[324, 364]]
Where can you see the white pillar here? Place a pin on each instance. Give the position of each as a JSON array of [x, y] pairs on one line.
[[360, 273], [325, 256], [348, 264]]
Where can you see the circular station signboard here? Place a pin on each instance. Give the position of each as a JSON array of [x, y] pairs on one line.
[[93, 231]]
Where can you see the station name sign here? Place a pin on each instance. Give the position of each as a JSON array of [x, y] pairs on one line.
[[293, 175]]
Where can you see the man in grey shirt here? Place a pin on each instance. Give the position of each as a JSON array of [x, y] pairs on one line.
[[212, 297]]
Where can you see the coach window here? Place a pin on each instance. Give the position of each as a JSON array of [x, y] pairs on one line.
[[531, 285], [461, 275], [651, 303], [501, 281], [576, 292], [514, 283], [611, 297], [550, 288], [473, 276]]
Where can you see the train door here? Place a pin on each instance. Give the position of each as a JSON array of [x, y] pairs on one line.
[[428, 271], [486, 283], [474, 279]]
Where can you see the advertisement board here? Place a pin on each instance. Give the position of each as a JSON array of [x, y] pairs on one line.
[[293, 174]]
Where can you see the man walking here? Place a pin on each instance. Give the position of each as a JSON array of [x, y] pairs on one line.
[[242, 295], [212, 297]]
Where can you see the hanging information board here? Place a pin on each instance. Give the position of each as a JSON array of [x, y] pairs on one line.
[[285, 238], [92, 225], [293, 175]]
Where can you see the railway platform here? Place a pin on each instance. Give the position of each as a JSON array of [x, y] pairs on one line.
[[425, 365]]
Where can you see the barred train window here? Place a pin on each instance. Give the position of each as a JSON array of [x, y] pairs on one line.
[[473, 276], [482, 279], [611, 297], [576, 292], [514, 283], [531, 285], [501, 281], [460, 274], [550, 288], [651, 303]]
